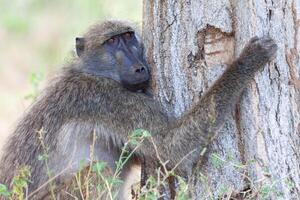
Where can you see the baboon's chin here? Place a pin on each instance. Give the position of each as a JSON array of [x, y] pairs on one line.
[[139, 87]]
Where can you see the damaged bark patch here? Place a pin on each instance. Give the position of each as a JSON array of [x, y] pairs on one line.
[[218, 47], [214, 48]]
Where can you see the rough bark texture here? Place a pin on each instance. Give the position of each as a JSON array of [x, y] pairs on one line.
[[190, 43]]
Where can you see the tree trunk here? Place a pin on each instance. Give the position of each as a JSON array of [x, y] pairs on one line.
[[190, 43]]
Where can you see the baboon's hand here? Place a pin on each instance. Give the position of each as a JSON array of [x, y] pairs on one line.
[[258, 52]]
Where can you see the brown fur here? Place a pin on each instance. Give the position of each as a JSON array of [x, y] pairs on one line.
[[100, 32], [78, 104]]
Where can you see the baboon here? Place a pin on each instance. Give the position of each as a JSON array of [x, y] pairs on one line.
[[102, 92]]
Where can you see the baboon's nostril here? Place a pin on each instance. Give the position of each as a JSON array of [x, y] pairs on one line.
[[140, 70]]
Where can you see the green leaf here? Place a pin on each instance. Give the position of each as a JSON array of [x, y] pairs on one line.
[[4, 191], [265, 190], [216, 160], [99, 167], [114, 181], [138, 135], [20, 183], [43, 157]]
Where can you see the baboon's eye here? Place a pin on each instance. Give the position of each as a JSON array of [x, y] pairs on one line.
[[128, 36], [112, 41]]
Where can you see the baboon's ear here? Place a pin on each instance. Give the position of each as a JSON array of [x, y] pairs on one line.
[[80, 42]]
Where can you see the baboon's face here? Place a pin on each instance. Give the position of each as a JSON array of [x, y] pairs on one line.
[[120, 57], [129, 56]]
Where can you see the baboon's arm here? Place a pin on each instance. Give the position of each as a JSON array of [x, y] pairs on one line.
[[199, 126]]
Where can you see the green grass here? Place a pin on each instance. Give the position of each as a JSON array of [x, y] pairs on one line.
[[93, 181]]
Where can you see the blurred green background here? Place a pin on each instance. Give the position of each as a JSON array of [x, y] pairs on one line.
[[37, 38]]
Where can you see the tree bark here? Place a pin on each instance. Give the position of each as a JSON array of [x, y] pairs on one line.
[[190, 43]]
